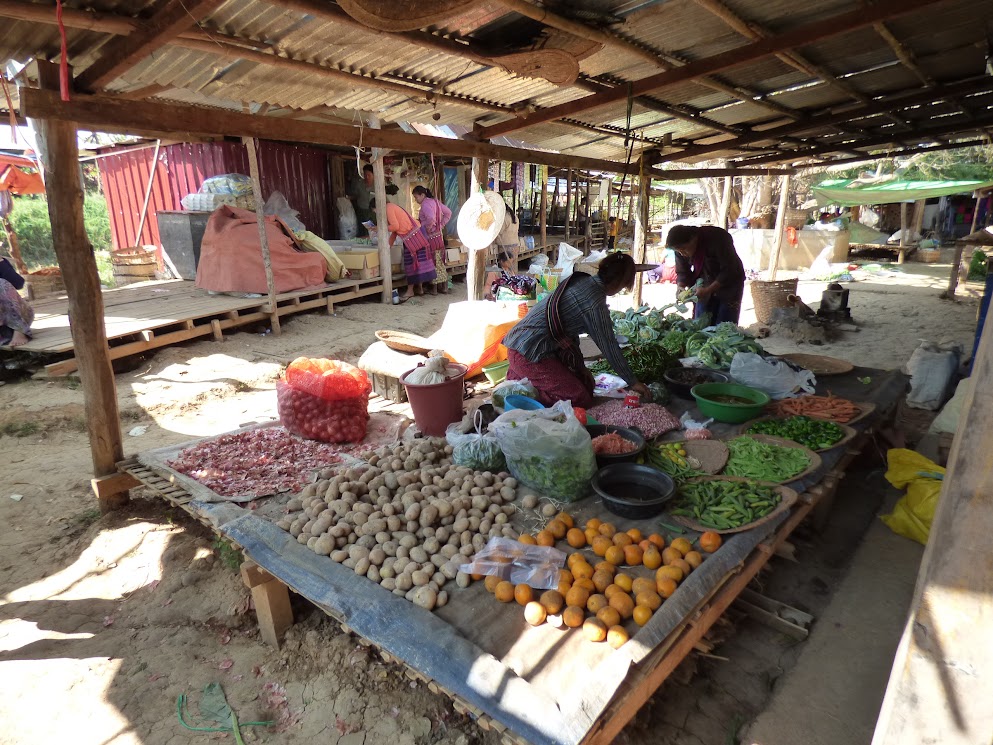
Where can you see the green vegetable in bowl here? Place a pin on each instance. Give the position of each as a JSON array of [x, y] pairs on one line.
[[725, 505], [764, 461], [816, 434]]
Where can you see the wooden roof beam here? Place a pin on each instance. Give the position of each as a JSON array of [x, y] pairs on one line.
[[120, 55], [905, 98], [895, 153], [792, 39]]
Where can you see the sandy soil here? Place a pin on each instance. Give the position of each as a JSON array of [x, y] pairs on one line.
[[108, 619]]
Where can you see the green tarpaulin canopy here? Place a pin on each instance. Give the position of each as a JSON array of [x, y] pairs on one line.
[[852, 192]]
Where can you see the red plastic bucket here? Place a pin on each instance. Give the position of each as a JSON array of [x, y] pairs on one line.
[[438, 405]]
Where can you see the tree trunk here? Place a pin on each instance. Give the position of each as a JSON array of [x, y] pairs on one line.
[[476, 271]]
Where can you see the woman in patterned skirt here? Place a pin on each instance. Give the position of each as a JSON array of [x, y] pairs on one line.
[[418, 265], [434, 217], [15, 313]]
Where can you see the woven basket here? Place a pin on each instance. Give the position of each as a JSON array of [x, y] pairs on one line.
[[46, 284], [133, 265], [928, 255], [401, 341], [768, 296]]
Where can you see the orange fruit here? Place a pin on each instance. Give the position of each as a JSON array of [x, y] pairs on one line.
[[607, 529], [609, 616], [635, 535], [622, 539], [605, 566], [645, 544], [528, 539], [523, 594], [602, 580], [594, 523], [694, 559], [673, 573], [642, 584], [594, 630], [670, 555], [577, 596], [586, 583], [650, 599], [581, 570], [476, 577], [565, 576], [624, 581], [545, 538], [657, 540], [683, 565], [504, 592], [623, 604], [615, 555], [642, 614], [633, 555], [617, 636], [552, 601], [535, 613], [665, 586], [652, 559], [601, 544], [710, 541], [574, 558], [491, 582], [682, 545], [563, 587], [596, 603], [557, 528], [591, 535], [566, 519], [613, 590], [576, 538], [573, 616]]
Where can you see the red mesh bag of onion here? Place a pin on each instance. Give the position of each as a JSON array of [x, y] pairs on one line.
[[325, 400]]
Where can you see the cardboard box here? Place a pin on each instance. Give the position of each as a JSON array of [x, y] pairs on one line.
[[363, 264], [453, 256]]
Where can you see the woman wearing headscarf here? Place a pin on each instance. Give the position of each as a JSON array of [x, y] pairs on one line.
[[706, 259], [15, 313], [434, 216], [544, 346], [418, 266]]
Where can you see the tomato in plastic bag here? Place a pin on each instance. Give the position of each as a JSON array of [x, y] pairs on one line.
[[331, 380]]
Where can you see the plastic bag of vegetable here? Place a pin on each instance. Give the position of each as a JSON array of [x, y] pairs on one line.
[[324, 400], [474, 450], [548, 450], [772, 376], [520, 387]]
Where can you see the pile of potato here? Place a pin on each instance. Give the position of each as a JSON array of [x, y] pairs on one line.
[[408, 521]]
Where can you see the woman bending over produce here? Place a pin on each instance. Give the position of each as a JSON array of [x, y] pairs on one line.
[[705, 256], [544, 346]]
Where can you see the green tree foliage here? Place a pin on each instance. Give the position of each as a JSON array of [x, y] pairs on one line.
[[965, 164], [34, 231]]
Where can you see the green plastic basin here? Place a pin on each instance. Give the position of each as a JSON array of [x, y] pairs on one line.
[[731, 413]]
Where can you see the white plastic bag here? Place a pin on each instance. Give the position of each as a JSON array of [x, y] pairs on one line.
[[775, 377], [606, 385], [931, 368], [869, 217], [948, 418], [520, 387], [480, 452], [348, 223], [547, 450], [568, 258], [538, 264], [277, 205]]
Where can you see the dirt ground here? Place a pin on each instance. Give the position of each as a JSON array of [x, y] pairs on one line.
[[108, 619]]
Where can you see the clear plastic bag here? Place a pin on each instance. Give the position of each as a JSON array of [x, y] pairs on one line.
[[518, 563], [695, 430], [548, 450], [569, 256], [474, 450], [520, 387], [772, 376], [277, 205]]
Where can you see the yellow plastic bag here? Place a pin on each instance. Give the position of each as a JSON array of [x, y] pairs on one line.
[[913, 513]]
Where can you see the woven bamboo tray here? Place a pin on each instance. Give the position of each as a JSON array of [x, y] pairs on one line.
[[788, 498], [849, 433], [819, 364], [814, 458], [401, 341]]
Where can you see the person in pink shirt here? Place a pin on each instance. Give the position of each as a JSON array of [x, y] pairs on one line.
[[418, 265], [434, 216]]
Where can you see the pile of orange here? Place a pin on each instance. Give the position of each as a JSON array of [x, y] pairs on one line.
[[598, 597]]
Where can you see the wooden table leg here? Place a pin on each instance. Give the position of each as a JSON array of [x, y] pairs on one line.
[[272, 602]]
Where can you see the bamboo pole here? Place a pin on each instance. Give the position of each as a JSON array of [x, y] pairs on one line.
[[726, 202], [784, 191], [588, 229], [903, 233], [641, 225], [148, 192], [543, 224], [253, 171], [382, 232], [476, 271], [568, 203]]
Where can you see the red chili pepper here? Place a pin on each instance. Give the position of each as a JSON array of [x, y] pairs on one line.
[[581, 415]]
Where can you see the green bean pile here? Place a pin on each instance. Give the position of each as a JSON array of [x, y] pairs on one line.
[[724, 505], [763, 461]]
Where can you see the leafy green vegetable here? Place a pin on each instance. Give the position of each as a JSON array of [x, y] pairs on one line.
[[763, 461]]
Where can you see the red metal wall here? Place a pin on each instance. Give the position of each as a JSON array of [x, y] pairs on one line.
[[302, 174]]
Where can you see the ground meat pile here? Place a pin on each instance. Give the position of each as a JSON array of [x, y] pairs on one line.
[[262, 461], [653, 420], [612, 444]]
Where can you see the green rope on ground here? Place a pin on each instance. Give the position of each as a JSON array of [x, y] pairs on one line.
[[181, 704]]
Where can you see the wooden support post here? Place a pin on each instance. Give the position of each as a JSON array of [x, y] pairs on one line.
[[942, 677], [543, 220], [568, 204], [587, 213], [215, 330], [641, 225], [975, 214], [253, 171], [777, 246], [272, 603], [476, 271], [953, 278], [903, 233], [726, 202], [148, 193], [382, 232], [15, 247], [59, 153]]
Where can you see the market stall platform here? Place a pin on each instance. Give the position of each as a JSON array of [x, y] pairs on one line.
[[538, 685]]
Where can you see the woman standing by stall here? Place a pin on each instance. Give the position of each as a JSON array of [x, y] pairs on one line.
[[434, 216], [706, 259], [544, 346], [418, 266]]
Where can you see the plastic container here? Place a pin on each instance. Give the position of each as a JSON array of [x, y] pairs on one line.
[[633, 491], [731, 413], [672, 380], [628, 433], [497, 372], [521, 402], [438, 405]]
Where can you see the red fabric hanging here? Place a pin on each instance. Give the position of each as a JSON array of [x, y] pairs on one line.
[[64, 61]]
